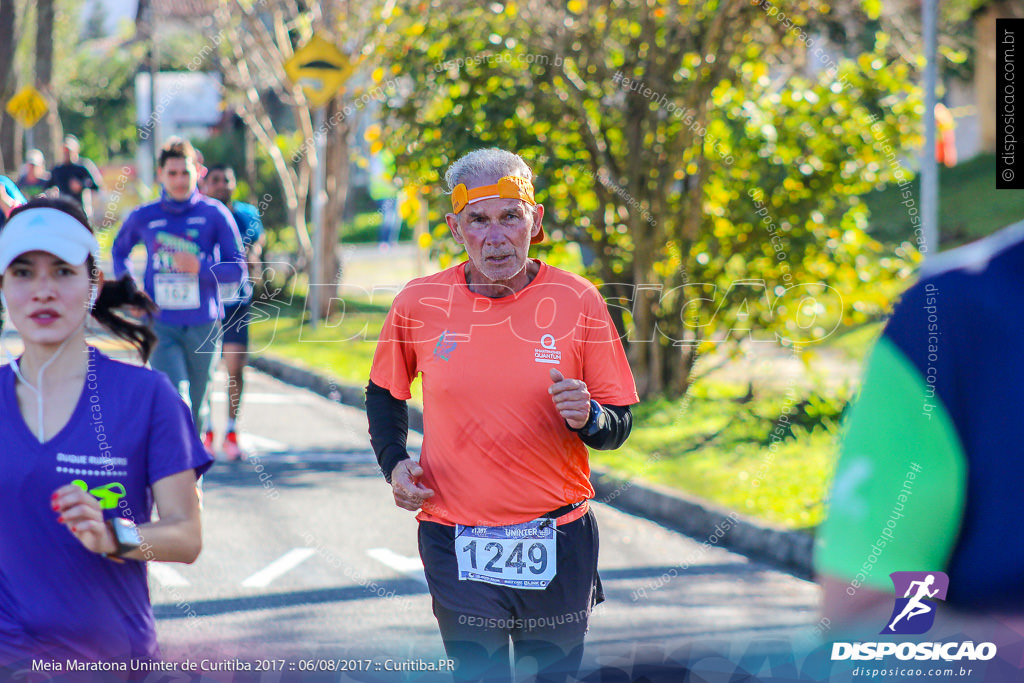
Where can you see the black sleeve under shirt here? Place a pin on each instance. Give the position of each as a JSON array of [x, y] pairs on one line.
[[389, 427], [616, 422]]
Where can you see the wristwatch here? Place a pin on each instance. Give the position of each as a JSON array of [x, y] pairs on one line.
[[126, 534], [595, 422]]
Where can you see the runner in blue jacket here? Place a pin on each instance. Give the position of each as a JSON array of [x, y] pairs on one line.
[[220, 183], [192, 246]]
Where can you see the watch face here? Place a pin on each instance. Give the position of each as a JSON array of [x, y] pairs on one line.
[[127, 533]]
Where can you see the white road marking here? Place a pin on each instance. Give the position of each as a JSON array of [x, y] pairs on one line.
[[290, 560], [252, 442], [166, 575], [410, 566]]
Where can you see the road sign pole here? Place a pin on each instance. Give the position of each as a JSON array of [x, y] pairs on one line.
[[320, 68], [319, 200], [929, 165]]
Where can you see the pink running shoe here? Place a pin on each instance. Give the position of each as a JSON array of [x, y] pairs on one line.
[[231, 449]]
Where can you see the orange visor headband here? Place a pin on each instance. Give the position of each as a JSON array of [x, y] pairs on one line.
[[509, 187]]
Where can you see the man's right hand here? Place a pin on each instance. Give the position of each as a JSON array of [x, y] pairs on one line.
[[409, 493], [186, 262]]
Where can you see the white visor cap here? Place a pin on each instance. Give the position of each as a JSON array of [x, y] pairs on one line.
[[49, 230]]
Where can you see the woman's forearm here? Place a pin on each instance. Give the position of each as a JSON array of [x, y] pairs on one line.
[[169, 540], [177, 536]]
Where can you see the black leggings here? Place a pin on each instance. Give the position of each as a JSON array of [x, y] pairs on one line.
[[482, 653]]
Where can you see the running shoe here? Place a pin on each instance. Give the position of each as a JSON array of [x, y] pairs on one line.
[[208, 443], [231, 449]]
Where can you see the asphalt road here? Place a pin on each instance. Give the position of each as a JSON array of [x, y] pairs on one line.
[[306, 558]]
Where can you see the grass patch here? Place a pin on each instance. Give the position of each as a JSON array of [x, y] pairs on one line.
[[717, 443], [342, 347], [969, 205], [856, 342], [365, 228]]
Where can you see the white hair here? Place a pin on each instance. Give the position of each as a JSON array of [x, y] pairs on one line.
[[486, 166]]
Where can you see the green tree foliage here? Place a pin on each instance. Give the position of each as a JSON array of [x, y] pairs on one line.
[[97, 85], [659, 131], [97, 103], [229, 148]]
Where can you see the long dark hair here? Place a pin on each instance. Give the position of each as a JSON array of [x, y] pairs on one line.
[[114, 295]]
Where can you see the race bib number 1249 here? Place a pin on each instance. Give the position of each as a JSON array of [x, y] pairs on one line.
[[518, 556]]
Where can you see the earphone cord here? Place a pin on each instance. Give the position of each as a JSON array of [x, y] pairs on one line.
[[41, 434]]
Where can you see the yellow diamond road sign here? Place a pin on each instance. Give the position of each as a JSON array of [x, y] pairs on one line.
[[320, 68], [27, 106]]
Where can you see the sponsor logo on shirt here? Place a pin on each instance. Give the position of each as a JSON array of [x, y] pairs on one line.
[[91, 465], [158, 223], [445, 346], [914, 614], [95, 460], [196, 220], [109, 495], [547, 354]]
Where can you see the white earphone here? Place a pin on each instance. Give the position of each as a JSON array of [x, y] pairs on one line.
[[37, 390]]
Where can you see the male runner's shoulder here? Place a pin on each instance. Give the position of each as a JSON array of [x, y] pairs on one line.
[[250, 225]]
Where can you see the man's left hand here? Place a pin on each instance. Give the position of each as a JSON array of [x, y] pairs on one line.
[[571, 398]]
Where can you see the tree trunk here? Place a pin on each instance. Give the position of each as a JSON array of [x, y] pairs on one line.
[[250, 159], [644, 346], [336, 186], [294, 184], [9, 156], [10, 149], [294, 193], [48, 128]]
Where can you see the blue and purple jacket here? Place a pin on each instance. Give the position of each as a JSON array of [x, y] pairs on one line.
[[200, 226]]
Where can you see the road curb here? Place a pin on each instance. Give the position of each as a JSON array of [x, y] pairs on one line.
[[707, 522], [304, 378], [703, 520]]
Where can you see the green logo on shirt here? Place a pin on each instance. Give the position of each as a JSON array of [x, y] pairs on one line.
[[109, 495]]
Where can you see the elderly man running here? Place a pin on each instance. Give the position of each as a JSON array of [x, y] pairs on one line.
[[522, 369]]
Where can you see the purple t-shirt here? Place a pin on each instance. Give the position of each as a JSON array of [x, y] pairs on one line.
[[59, 600]]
